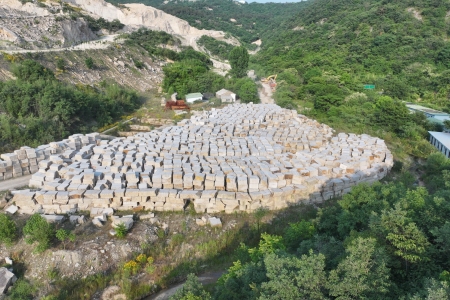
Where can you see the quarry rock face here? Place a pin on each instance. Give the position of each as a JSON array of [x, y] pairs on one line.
[[140, 15], [32, 29], [44, 26], [10, 8], [238, 158]]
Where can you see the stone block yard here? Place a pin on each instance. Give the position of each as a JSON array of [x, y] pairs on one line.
[[239, 158]]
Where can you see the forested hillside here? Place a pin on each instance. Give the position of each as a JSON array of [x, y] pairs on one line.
[[37, 108], [401, 47], [327, 53], [248, 22]]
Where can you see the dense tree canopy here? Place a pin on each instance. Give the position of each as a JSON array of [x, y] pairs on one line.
[[39, 109], [238, 58], [384, 241]]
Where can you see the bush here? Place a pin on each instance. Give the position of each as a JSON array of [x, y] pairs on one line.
[[61, 64], [121, 231], [38, 230], [64, 236], [138, 64], [8, 229], [89, 63], [131, 267], [150, 268], [22, 290], [297, 232], [192, 289]]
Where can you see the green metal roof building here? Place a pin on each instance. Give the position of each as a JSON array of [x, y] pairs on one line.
[[190, 98]]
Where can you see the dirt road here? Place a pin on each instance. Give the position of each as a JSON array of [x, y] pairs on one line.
[[14, 183], [265, 94], [101, 43]]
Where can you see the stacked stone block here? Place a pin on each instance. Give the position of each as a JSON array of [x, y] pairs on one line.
[[238, 158]]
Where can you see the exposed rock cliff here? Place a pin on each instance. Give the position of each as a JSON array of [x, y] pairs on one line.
[[29, 26], [32, 26], [139, 15], [44, 32], [14, 8]]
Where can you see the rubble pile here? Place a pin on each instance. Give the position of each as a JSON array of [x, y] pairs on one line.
[[238, 158]]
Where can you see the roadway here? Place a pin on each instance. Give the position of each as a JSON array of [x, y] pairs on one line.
[[14, 183]]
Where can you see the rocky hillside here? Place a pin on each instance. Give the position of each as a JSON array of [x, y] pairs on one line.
[[29, 26], [48, 24], [111, 64]]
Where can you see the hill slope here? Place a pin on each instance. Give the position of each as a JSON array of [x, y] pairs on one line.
[[402, 47], [248, 22]]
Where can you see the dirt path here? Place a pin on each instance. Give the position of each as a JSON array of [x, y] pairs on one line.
[[124, 122], [207, 278], [11, 184], [101, 43], [265, 94]]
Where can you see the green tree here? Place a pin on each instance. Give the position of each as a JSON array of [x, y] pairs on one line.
[[362, 274], [239, 58], [248, 92], [241, 281], [179, 74], [433, 290], [8, 229], [297, 232], [403, 235], [30, 70], [37, 229], [447, 124], [192, 290], [64, 236], [391, 114], [259, 213], [294, 278], [268, 244]]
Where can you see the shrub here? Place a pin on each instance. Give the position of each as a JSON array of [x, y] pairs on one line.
[[22, 290], [131, 267], [64, 236], [161, 233], [38, 230], [8, 229], [89, 63], [150, 268], [61, 64], [141, 258], [121, 231], [138, 64], [297, 232], [192, 289]]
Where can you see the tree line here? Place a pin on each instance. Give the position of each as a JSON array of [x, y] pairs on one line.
[[37, 108], [388, 240]]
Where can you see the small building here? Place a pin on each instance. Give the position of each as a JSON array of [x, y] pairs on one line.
[[428, 112], [208, 96], [226, 96], [190, 98], [441, 140]]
